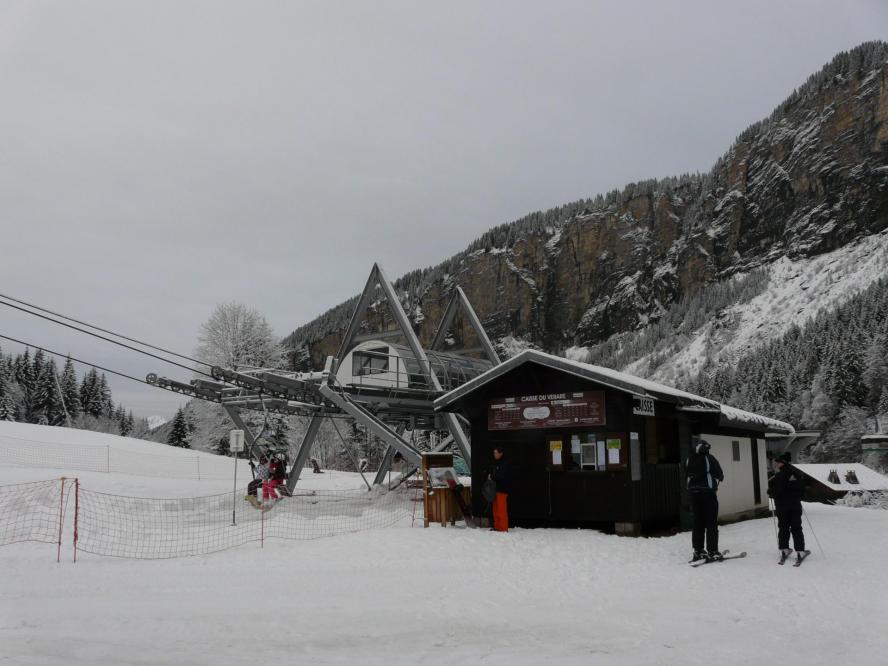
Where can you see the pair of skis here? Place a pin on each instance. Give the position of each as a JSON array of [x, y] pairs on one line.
[[725, 556], [798, 560]]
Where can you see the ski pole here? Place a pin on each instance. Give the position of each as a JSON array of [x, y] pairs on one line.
[[774, 517], [813, 533]]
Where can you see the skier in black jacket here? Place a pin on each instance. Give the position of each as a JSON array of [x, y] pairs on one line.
[[787, 488], [703, 476]]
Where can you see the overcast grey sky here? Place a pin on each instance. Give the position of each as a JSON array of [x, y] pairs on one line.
[[160, 157]]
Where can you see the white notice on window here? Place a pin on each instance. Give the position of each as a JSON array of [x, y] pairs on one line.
[[556, 457], [613, 456]]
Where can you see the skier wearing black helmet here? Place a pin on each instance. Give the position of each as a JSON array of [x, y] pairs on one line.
[[703, 476], [787, 488]]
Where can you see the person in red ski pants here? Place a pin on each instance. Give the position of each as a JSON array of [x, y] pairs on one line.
[[502, 476]]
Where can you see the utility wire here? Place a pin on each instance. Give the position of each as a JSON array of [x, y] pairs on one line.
[[102, 337], [105, 330], [93, 365]]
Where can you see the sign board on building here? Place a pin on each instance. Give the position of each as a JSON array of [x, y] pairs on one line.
[[643, 406], [552, 410]]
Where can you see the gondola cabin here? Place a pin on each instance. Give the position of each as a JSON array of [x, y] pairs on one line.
[[589, 446], [379, 364]]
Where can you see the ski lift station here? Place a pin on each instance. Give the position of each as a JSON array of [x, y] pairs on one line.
[[592, 446], [376, 364], [588, 446]]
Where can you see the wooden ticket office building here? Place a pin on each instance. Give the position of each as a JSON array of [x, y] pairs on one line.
[[590, 446]]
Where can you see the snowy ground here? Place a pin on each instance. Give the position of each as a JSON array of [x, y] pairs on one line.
[[138, 467], [434, 596]]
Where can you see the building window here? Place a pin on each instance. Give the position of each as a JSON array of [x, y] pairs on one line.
[[736, 447], [370, 362]]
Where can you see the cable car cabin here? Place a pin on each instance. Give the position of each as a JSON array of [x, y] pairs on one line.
[[589, 446], [383, 365]]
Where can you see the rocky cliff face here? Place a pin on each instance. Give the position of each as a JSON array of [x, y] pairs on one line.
[[807, 180]]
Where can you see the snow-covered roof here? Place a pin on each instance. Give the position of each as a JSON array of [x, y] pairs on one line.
[[729, 416], [869, 479]]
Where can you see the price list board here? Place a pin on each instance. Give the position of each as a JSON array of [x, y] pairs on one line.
[[554, 410]]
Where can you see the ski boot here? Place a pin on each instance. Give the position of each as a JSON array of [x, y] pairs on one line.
[[784, 555], [698, 555], [715, 556]]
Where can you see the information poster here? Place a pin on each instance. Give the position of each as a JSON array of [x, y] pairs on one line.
[[551, 410], [602, 454], [614, 446], [555, 447]]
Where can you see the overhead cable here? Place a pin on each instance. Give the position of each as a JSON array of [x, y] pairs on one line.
[[102, 337], [105, 330]]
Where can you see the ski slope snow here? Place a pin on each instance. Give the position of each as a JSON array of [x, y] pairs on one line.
[[441, 596]]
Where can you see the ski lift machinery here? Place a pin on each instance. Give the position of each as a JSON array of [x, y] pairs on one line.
[[382, 384]]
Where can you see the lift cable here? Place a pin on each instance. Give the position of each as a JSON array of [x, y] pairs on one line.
[[105, 330], [92, 365], [102, 337], [123, 374]]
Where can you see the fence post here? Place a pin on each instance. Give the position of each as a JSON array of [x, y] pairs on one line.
[[108, 458], [198, 467], [76, 513], [262, 533], [61, 518]]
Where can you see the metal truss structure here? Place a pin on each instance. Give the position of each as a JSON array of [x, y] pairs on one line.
[[386, 411]]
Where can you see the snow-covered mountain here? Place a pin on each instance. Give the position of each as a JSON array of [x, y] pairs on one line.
[[156, 421], [681, 278], [806, 181], [795, 291]]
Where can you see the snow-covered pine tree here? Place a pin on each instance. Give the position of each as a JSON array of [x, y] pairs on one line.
[[70, 392], [24, 376], [37, 366], [7, 408], [90, 398], [49, 390], [120, 419], [107, 408], [875, 369], [179, 433], [22, 368]]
